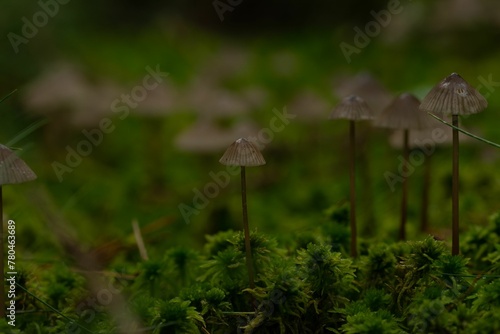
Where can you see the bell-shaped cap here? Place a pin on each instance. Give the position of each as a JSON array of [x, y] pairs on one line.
[[242, 153], [13, 169], [404, 113], [453, 96], [352, 108]]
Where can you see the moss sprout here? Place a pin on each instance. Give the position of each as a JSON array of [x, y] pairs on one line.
[[175, 317]]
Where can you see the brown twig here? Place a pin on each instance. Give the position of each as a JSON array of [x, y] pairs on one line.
[[140, 242], [116, 307]]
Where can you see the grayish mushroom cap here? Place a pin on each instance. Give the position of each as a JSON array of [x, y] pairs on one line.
[[352, 108], [453, 96], [242, 153], [367, 87], [13, 169], [404, 113]]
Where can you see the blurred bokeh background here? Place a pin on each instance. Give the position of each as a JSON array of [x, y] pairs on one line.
[[232, 66]]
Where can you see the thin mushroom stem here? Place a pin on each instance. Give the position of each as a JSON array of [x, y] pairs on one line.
[[2, 263], [369, 225], [454, 194], [424, 224], [404, 200], [248, 249], [352, 171]]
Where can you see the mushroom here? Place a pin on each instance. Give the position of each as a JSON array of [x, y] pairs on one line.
[[368, 88], [403, 113], [454, 96], [377, 97], [13, 170], [352, 108], [244, 153]]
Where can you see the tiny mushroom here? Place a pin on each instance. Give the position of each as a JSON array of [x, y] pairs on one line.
[[244, 153], [13, 170], [403, 114], [367, 87], [352, 108], [454, 96]]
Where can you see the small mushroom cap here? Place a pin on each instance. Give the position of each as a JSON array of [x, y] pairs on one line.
[[453, 96], [13, 169], [367, 87], [404, 113], [352, 108], [242, 153]]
